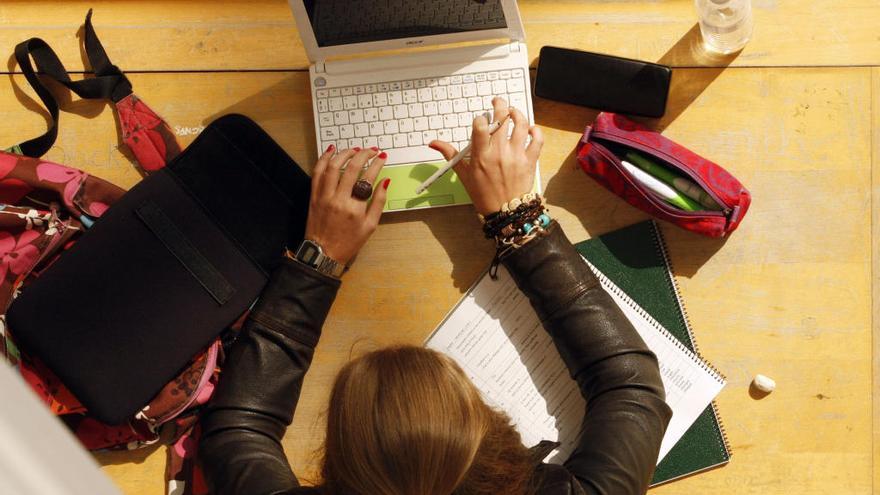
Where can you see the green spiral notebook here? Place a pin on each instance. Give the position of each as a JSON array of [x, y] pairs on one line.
[[635, 259]]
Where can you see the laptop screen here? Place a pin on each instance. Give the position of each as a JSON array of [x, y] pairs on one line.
[[345, 22]]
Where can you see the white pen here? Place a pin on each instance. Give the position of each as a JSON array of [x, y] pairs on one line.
[[494, 126]]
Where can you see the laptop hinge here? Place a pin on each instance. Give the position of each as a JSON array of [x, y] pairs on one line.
[[320, 67], [515, 46]]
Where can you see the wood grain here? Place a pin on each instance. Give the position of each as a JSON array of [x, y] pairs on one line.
[[162, 35], [875, 268], [788, 295]]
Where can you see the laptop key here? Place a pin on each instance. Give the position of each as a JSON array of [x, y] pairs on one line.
[[325, 119], [346, 131], [356, 116], [514, 85], [415, 109], [518, 100], [385, 142], [329, 133], [400, 140], [435, 122], [377, 128], [391, 127], [334, 104]]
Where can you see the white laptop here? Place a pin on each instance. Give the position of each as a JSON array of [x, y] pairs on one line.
[[402, 101]]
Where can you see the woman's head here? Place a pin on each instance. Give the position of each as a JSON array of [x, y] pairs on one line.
[[407, 421]]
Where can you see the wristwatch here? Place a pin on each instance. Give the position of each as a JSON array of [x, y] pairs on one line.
[[311, 254]]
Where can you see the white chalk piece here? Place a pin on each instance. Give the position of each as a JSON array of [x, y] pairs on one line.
[[764, 383]]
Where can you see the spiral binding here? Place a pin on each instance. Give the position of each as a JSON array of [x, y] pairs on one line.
[[660, 242], [611, 287]]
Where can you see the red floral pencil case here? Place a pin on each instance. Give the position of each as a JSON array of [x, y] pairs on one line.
[[723, 199]]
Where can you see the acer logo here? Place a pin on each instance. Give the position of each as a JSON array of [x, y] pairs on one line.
[[415, 42]]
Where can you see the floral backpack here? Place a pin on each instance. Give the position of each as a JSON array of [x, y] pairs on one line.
[[44, 207]]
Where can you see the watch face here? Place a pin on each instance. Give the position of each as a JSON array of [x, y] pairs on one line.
[[308, 253]]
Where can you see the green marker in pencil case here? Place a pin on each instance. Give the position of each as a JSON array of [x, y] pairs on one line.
[[682, 185]]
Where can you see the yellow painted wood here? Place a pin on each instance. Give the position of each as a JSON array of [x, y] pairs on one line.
[[260, 34], [788, 295]]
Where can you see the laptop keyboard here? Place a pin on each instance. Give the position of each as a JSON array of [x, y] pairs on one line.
[[404, 116]]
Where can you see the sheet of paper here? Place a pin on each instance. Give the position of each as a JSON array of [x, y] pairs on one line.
[[496, 337]]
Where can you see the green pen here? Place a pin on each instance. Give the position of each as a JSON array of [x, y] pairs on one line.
[[682, 185], [661, 189]]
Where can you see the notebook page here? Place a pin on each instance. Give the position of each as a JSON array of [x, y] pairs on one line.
[[689, 382], [497, 339]]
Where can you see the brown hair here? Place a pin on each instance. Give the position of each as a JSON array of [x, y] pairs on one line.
[[408, 421]]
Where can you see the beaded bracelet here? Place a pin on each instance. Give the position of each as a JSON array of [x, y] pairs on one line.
[[518, 222]]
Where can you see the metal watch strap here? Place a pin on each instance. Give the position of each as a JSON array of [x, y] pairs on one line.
[[311, 254]]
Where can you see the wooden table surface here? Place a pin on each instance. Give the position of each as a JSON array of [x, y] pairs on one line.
[[796, 116]]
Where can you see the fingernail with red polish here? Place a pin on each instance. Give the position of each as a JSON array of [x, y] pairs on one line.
[[329, 148], [383, 155], [356, 148], [374, 148], [385, 183]]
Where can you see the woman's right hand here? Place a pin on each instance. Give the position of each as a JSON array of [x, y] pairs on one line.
[[337, 221], [500, 168]]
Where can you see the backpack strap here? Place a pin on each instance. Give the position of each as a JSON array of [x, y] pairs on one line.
[[144, 132]]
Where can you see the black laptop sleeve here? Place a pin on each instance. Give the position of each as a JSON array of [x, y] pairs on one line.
[[165, 270]]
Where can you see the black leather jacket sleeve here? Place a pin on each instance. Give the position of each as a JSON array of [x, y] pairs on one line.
[[240, 449], [626, 415]]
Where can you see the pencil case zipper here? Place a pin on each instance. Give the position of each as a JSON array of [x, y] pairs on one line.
[[598, 136]]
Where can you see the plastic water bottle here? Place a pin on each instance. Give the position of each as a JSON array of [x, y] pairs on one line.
[[726, 25]]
